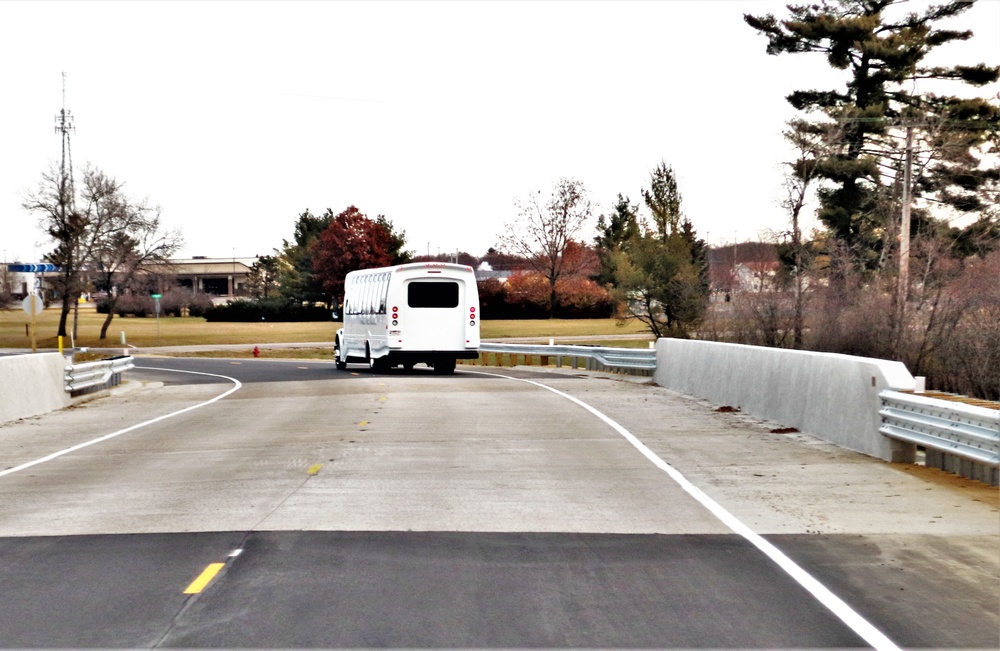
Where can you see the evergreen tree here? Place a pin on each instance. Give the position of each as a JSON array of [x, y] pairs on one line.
[[612, 233], [295, 279], [884, 56], [661, 277], [397, 242], [664, 200], [657, 283], [262, 280]]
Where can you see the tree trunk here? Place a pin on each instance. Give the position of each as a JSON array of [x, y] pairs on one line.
[[64, 315], [107, 319]]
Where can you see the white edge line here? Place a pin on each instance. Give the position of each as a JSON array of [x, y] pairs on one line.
[[832, 602], [56, 455]]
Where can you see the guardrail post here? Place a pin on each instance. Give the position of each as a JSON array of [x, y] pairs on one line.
[[593, 357], [902, 452], [958, 438]]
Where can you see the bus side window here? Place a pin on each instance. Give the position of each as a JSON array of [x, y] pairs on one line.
[[383, 292]]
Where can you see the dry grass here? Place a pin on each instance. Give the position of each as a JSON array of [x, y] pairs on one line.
[[182, 331]]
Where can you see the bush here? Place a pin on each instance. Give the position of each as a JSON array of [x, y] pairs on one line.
[[266, 309], [178, 299], [525, 295], [128, 305]]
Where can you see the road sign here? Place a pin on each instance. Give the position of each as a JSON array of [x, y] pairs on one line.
[[32, 268], [33, 304], [157, 296]]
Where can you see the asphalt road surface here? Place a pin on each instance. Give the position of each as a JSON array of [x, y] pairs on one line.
[[263, 503]]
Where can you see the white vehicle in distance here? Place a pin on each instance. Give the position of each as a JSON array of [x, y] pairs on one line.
[[408, 314]]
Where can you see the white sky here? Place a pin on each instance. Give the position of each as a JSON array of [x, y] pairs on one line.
[[234, 117]]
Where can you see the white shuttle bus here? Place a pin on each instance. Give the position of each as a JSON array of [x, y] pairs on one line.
[[408, 314]]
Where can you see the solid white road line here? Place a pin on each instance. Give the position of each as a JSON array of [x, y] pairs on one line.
[[832, 602], [56, 455]]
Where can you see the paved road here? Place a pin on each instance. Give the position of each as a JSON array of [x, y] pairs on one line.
[[351, 509]]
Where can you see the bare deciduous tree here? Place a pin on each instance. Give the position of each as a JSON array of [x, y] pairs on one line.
[[54, 201], [810, 142], [542, 231], [134, 244], [101, 234]]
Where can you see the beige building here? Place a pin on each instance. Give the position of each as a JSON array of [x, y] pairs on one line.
[[222, 278]]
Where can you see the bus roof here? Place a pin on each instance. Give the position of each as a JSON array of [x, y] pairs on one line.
[[418, 266]]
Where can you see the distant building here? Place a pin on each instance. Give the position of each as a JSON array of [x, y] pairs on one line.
[[15, 283], [223, 279], [485, 272]]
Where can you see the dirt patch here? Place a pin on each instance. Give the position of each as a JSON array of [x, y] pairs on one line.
[[976, 490]]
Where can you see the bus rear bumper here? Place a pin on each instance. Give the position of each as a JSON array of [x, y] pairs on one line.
[[416, 356]]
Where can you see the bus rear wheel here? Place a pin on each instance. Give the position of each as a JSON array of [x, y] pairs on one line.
[[444, 366], [341, 364], [377, 364]]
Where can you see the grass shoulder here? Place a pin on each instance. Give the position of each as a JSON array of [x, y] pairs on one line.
[[145, 332]]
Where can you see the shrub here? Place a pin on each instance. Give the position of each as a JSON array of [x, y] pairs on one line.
[[128, 305], [266, 309], [178, 299]]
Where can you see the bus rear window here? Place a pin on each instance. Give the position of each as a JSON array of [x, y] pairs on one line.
[[423, 294]]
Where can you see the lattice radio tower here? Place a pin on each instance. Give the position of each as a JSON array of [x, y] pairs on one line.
[[64, 126]]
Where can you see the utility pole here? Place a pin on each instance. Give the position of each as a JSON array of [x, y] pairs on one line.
[[902, 290], [64, 127]]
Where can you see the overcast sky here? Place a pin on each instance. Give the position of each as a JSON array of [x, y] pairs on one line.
[[234, 117]]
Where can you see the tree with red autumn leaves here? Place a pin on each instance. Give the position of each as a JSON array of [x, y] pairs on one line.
[[543, 230], [576, 294], [350, 242]]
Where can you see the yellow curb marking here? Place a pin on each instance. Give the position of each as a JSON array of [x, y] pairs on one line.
[[199, 584]]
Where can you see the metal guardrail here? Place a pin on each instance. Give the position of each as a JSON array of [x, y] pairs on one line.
[[106, 372], [612, 357], [965, 431]]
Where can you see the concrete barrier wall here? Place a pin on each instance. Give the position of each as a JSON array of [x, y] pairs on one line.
[[834, 397], [31, 385]]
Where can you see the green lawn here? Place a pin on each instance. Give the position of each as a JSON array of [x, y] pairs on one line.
[[180, 331]]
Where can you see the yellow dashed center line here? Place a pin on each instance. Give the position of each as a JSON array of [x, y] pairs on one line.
[[206, 577], [363, 423], [314, 470]]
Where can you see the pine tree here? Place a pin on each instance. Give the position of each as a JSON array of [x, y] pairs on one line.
[[884, 58], [620, 226], [664, 200]]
